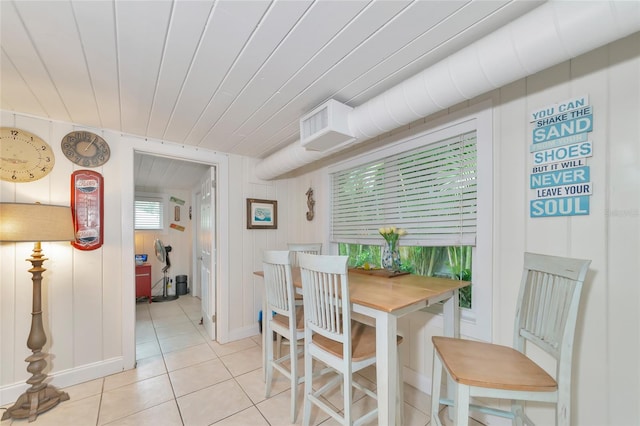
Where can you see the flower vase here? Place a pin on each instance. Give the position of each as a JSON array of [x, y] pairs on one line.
[[391, 256]]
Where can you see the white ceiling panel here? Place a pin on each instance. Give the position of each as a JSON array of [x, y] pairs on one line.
[[401, 29], [231, 76], [18, 45], [99, 49], [458, 27], [300, 45], [189, 20], [213, 61], [15, 93], [158, 174], [276, 24], [294, 93], [141, 29], [58, 45]]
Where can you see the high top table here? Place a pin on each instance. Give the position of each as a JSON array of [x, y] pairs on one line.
[[385, 300]]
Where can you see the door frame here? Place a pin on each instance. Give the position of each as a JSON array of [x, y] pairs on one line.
[[130, 146]]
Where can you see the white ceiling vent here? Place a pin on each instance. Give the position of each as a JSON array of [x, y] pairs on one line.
[[326, 126]]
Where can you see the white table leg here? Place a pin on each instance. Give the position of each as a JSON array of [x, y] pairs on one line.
[[451, 325], [386, 361], [264, 338], [451, 311]]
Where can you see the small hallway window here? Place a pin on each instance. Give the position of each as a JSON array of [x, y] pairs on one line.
[[149, 212]]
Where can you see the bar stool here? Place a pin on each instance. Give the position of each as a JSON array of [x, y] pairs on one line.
[[545, 317], [332, 337], [311, 248], [287, 322]]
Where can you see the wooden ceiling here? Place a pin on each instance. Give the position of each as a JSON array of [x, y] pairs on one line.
[[231, 76]]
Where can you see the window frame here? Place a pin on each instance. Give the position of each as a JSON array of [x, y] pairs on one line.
[[475, 322]]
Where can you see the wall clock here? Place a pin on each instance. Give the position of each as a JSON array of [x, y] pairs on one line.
[[85, 149], [24, 157]]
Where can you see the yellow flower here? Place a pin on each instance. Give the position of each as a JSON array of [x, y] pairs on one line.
[[391, 234]]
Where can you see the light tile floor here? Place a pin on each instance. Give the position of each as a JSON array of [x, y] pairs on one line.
[[182, 378]]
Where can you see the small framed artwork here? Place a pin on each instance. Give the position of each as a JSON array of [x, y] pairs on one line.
[[262, 214]]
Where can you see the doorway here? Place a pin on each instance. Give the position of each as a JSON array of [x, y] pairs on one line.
[[168, 176]]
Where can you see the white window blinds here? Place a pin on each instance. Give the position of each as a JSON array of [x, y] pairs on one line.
[[429, 191], [149, 213]]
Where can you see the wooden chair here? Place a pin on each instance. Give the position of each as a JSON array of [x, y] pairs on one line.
[[545, 317], [287, 322], [312, 248], [332, 337], [295, 248]]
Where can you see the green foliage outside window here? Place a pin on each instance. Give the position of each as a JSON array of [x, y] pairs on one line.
[[450, 262]]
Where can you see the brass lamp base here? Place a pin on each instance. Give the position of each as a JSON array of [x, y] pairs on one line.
[[31, 403]]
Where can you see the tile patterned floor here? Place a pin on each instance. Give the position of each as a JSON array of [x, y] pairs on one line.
[[182, 378]]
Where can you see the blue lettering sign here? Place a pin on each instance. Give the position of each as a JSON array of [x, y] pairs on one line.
[[569, 206], [564, 191], [562, 107], [560, 177], [569, 140], [563, 153], [563, 129], [573, 104]]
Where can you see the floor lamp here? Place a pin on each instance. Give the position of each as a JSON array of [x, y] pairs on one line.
[[35, 223]]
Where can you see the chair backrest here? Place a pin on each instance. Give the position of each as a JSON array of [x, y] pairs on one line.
[[325, 284], [295, 248], [279, 283], [548, 307]]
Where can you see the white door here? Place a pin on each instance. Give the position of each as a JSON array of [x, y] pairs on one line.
[[207, 247], [196, 290]]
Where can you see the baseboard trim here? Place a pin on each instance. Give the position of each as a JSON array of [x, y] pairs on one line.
[[417, 380], [66, 378]]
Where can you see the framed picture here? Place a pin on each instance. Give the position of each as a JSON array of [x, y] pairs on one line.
[[262, 214]]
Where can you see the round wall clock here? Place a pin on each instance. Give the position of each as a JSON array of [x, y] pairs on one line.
[[85, 149], [24, 157]]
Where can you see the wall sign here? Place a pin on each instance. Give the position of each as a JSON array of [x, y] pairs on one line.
[[87, 198], [560, 179], [176, 213]]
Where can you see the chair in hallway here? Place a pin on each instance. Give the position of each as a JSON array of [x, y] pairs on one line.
[[295, 248], [332, 337], [545, 317], [287, 322]]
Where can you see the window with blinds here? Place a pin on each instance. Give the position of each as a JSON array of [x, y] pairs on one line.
[[149, 213], [429, 191]]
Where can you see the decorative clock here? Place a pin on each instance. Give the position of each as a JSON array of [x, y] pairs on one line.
[[85, 149], [24, 157]]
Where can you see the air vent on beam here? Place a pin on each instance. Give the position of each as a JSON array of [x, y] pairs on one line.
[[325, 127]]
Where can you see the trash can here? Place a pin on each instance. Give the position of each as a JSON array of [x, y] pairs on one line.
[[181, 285]]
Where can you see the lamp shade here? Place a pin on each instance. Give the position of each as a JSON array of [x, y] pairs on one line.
[[35, 222]]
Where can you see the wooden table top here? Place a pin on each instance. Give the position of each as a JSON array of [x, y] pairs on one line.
[[391, 294]]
